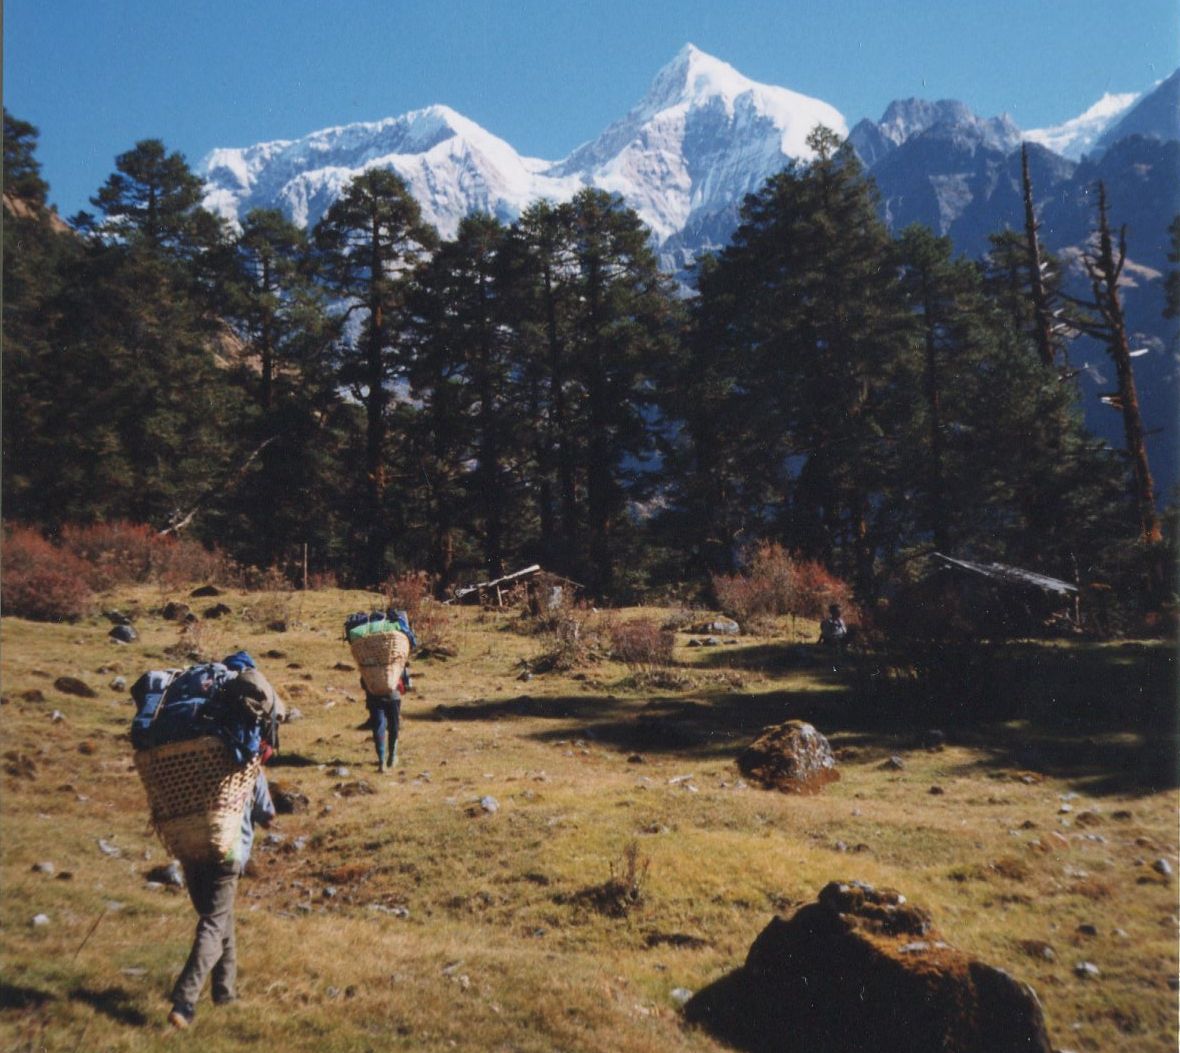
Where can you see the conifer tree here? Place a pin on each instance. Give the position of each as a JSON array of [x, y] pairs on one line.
[[461, 376], [540, 287], [945, 297], [273, 301], [154, 199], [22, 170], [1172, 280], [368, 244], [38, 249], [622, 321], [138, 410], [274, 306], [817, 325]]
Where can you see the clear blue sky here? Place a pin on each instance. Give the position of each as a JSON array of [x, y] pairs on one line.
[[97, 75]]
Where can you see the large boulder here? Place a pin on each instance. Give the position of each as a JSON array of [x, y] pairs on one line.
[[791, 757], [862, 970]]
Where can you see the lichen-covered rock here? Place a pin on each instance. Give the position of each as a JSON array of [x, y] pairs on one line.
[[791, 757], [862, 970]]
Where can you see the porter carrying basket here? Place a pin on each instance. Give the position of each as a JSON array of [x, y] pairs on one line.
[[197, 793], [381, 657]]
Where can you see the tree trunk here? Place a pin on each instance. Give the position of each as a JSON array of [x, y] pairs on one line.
[[1042, 316], [375, 416], [1105, 271], [937, 496]]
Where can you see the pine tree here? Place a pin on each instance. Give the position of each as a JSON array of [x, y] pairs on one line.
[[301, 430], [540, 278], [154, 199], [816, 324], [623, 319], [461, 377], [38, 249], [22, 170], [1172, 280], [368, 244], [273, 302]]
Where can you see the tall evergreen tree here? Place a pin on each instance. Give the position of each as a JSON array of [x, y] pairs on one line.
[[38, 249], [540, 288], [623, 320], [273, 302], [461, 376], [368, 243], [22, 170], [153, 199], [812, 310]]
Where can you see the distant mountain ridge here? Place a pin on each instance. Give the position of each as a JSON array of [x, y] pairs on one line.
[[704, 136], [685, 156]]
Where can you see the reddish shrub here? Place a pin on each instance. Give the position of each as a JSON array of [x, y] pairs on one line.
[[322, 579], [641, 642], [114, 553], [408, 591], [816, 588], [40, 581], [181, 561], [412, 592], [123, 553], [775, 582]]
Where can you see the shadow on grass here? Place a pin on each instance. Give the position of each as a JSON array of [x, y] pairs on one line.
[[1103, 716], [113, 1002], [723, 1010], [285, 759], [13, 996]]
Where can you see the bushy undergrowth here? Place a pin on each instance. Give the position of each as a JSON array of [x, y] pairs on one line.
[[121, 553], [41, 581], [774, 582], [413, 592], [641, 643], [56, 579], [571, 633]]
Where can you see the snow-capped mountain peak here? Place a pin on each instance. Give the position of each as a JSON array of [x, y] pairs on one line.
[[451, 165], [690, 76], [1076, 136], [700, 139]]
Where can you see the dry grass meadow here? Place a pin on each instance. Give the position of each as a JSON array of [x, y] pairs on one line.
[[626, 859]]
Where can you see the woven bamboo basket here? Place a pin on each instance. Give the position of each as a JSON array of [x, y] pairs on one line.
[[197, 793], [381, 658]]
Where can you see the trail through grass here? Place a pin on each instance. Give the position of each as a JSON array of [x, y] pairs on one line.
[[414, 918]]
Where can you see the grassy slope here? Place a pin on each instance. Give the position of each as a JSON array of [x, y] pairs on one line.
[[498, 952]]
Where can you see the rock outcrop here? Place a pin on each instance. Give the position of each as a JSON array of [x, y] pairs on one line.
[[791, 757], [862, 970]]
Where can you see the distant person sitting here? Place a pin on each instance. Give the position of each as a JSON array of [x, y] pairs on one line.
[[832, 630]]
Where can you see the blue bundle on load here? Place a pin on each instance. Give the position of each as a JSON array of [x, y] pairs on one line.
[[213, 698]]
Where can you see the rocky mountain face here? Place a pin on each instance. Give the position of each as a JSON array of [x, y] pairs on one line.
[[687, 153], [1155, 116], [704, 136]]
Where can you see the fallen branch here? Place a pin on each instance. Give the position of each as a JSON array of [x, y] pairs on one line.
[[178, 524]]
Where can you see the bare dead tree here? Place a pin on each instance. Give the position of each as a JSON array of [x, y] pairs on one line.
[[1105, 266], [1042, 310]]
